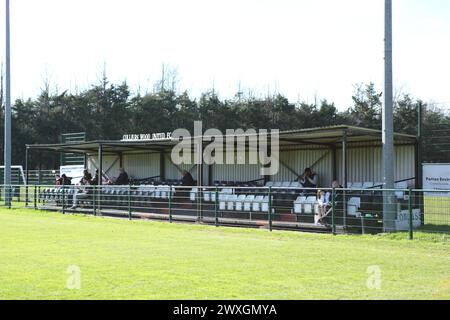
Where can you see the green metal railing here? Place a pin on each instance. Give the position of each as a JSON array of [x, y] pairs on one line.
[[271, 208]]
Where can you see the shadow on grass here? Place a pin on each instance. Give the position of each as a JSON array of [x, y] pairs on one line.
[[433, 228]]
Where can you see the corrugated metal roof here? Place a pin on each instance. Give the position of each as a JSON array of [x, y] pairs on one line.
[[315, 136]]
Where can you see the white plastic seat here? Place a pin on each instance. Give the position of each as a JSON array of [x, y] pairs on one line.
[[295, 184], [227, 191], [174, 192], [239, 205], [352, 206], [349, 185], [265, 204], [256, 206], [401, 185], [298, 205], [286, 184], [223, 195], [308, 205], [157, 192], [278, 184], [223, 200], [269, 184], [367, 185], [378, 185], [357, 186], [248, 203], [206, 195], [193, 194], [230, 202], [165, 192]]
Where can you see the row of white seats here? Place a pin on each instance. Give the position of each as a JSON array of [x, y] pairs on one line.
[[210, 196], [251, 203], [310, 205], [157, 192], [305, 205], [285, 184], [230, 201], [378, 185], [364, 185]]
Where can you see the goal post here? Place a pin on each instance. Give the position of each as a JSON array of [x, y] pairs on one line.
[[17, 175]]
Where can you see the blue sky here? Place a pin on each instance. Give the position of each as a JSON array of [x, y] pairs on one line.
[[302, 49]]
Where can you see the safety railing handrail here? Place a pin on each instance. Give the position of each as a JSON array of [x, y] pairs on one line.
[[237, 187], [278, 206]]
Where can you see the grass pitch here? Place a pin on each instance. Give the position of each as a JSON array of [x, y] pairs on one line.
[[120, 259]]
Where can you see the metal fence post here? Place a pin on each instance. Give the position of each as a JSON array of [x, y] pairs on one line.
[[333, 211], [27, 200], [411, 223], [9, 197], [270, 209], [129, 202], [170, 204], [94, 200], [35, 197], [200, 204], [64, 199], [216, 207]]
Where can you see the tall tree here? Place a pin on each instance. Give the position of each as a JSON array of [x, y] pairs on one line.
[[366, 109]]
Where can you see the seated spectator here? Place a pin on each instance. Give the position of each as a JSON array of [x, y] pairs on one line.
[[123, 178], [81, 192], [58, 180], [65, 180], [323, 199], [87, 177], [187, 179]]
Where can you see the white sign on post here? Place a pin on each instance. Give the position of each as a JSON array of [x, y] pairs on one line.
[[436, 177]]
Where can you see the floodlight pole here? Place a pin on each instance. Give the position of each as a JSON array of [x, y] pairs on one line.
[[389, 212], [7, 155]]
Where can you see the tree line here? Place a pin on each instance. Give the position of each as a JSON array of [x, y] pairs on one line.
[[107, 111]]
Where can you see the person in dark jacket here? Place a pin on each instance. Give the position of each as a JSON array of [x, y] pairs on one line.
[[87, 177], [94, 181], [123, 178], [187, 179], [309, 179], [65, 180]]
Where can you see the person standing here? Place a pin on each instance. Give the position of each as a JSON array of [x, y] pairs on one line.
[[309, 179], [96, 178]]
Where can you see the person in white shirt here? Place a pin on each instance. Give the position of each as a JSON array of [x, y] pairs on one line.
[[323, 200]]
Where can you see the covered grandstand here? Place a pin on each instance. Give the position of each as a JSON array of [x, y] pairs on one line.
[[344, 153], [238, 194]]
